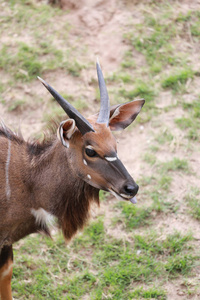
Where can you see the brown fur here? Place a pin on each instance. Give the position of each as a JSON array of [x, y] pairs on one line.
[[60, 177], [5, 282], [6, 260], [40, 176]]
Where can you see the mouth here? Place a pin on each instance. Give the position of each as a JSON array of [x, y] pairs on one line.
[[123, 196]]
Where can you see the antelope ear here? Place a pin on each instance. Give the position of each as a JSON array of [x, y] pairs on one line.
[[123, 115], [65, 131]]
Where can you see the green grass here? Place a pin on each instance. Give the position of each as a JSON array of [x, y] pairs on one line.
[[176, 164], [177, 80], [117, 265], [190, 124], [28, 61], [193, 201], [152, 42], [179, 264], [133, 216], [17, 105], [165, 136], [142, 90], [74, 68], [165, 182], [150, 158], [151, 293]]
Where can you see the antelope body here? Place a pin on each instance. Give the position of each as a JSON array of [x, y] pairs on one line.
[[60, 178]]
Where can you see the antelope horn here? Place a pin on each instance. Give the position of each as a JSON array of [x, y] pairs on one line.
[[83, 125], [105, 107]]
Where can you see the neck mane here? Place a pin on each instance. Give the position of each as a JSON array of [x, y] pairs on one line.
[[68, 196], [51, 183]]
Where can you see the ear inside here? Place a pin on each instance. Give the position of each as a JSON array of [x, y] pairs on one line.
[[121, 116], [65, 131]]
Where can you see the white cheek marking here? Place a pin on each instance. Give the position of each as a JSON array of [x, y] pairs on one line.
[[7, 272], [85, 162], [111, 158], [8, 191], [88, 176], [43, 218]]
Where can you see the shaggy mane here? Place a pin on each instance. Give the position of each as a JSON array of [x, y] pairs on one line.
[[34, 146]]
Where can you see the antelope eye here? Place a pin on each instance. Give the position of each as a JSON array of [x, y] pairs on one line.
[[90, 152]]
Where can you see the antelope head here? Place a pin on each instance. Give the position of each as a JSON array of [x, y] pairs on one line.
[[92, 146]]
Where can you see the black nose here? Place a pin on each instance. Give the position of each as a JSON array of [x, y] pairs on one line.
[[131, 190]]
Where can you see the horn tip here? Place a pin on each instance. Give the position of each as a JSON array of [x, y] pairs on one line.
[[97, 61], [43, 82]]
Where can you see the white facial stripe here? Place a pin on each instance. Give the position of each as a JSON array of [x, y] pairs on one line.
[[88, 176], [42, 217], [85, 162], [111, 158], [7, 272], [8, 191]]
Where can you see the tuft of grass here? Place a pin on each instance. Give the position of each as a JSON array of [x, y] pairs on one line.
[[164, 136], [142, 90], [148, 243], [93, 235], [150, 158], [160, 203], [149, 293], [177, 80], [164, 182], [193, 201], [16, 105], [179, 264], [133, 216], [128, 62], [80, 285], [96, 231], [131, 267], [191, 126], [176, 164], [176, 243], [195, 29], [184, 123], [28, 61], [74, 68], [191, 123], [184, 17], [154, 43]]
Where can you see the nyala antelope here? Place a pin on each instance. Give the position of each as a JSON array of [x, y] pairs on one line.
[[60, 178]]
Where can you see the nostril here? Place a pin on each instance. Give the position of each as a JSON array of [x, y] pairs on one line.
[[131, 189]]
